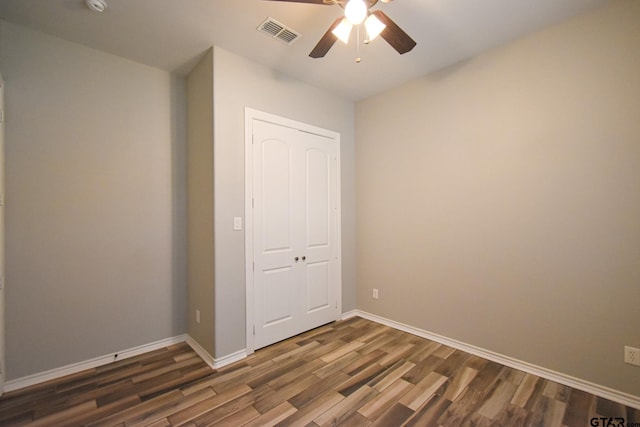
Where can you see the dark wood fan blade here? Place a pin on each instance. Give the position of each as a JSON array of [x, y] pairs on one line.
[[327, 2], [325, 42], [394, 35]]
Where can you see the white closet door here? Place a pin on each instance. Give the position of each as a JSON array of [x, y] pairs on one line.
[[295, 256]]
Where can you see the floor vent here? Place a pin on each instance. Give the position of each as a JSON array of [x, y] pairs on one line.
[[279, 31]]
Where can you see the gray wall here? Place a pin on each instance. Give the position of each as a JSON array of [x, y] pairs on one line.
[[499, 200], [95, 216], [240, 83], [200, 248]]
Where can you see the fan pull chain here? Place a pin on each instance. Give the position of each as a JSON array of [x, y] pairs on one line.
[[358, 44]]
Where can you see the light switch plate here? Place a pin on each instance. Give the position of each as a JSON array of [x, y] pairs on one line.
[[237, 223]]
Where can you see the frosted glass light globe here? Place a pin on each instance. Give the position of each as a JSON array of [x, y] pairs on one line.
[[355, 11]]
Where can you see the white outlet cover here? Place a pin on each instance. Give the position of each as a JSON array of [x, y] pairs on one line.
[[632, 355]]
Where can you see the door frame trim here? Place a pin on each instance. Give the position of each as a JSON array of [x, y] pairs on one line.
[[250, 115], [3, 320]]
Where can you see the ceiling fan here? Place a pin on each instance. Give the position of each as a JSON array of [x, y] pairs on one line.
[[356, 12]]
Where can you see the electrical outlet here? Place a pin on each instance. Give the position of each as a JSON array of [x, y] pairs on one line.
[[375, 294], [197, 316], [632, 355]]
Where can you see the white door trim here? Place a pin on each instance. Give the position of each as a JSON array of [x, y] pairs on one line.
[[251, 115], [2, 243]]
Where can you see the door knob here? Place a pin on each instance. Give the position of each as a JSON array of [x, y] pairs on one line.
[[296, 259], [304, 258]]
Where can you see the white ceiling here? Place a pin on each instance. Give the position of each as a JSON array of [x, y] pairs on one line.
[[172, 34]]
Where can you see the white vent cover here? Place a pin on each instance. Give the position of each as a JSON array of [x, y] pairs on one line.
[[279, 31]]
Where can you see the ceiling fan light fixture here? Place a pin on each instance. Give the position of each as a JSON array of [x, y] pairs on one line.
[[355, 11], [343, 31], [374, 27]]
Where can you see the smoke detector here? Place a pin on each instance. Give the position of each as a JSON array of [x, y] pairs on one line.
[[96, 5]]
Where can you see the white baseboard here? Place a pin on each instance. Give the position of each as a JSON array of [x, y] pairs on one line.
[[89, 364], [204, 354], [212, 361], [230, 358], [350, 314], [580, 384]]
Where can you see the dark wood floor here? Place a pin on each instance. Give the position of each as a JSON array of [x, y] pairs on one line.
[[350, 373]]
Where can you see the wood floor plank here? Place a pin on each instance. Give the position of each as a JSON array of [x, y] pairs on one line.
[[459, 382], [389, 376], [296, 352], [349, 373], [142, 408], [241, 417], [193, 411], [278, 370], [423, 349], [309, 395], [394, 416], [429, 413], [359, 379], [337, 365], [168, 368], [87, 417], [633, 415], [346, 407], [525, 390], [423, 391], [497, 400], [215, 379], [422, 369], [444, 351], [268, 353], [321, 350], [486, 376], [313, 410], [273, 417], [363, 362], [160, 423], [243, 377], [458, 412], [395, 354], [512, 416], [381, 341], [231, 408], [577, 412], [369, 332], [608, 408], [168, 382], [126, 372], [355, 420], [339, 352], [275, 398], [19, 420], [164, 411], [58, 418], [452, 363], [554, 416], [294, 375], [385, 400]]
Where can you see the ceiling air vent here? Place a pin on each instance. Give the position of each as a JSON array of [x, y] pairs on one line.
[[279, 31]]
